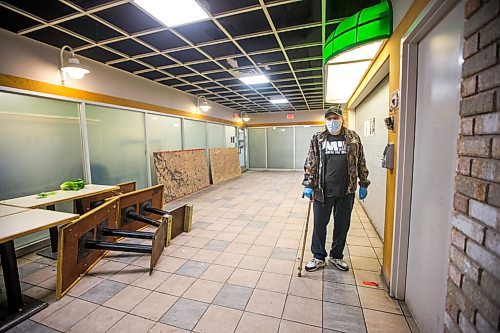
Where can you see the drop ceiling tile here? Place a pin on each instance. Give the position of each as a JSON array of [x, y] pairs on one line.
[[15, 22], [99, 54], [227, 49], [120, 16], [200, 32], [129, 66], [296, 13], [46, 10], [153, 75], [205, 66], [86, 4], [300, 37], [178, 70], [90, 28], [187, 55], [259, 43], [218, 6], [157, 61], [163, 40], [55, 38], [245, 23], [129, 47]]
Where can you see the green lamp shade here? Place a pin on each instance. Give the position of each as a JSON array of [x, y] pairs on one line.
[[368, 25]]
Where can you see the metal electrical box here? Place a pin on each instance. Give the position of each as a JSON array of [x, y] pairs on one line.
[[388, 157]]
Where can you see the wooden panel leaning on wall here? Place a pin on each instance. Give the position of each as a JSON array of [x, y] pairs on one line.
[[224, 164], [181, 171]]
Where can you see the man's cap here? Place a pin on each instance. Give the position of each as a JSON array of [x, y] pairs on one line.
[[335, 110]]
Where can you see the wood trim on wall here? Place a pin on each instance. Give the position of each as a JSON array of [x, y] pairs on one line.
[[87, 96], [298, 123]]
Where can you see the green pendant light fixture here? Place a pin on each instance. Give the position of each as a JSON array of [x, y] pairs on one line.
[[350, 49]]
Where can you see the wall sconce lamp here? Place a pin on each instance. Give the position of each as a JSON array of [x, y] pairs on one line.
[[72, 68], [203, 104], [244, 116]]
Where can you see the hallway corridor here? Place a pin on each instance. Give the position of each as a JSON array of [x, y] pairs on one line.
[[234, 272]]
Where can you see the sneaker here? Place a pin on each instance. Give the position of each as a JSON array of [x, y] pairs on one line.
[[314, 264], [339, 264]]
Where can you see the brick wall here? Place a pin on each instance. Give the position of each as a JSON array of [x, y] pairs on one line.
[[473, 298]]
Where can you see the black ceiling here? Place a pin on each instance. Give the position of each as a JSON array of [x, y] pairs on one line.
[[281, 38]]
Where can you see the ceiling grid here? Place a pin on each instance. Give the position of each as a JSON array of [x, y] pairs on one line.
[[282, 39]]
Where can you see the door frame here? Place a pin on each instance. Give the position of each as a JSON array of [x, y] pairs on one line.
[[430, 17]]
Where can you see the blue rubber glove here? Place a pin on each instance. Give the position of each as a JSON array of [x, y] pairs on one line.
[[308, 192], [363, 192]]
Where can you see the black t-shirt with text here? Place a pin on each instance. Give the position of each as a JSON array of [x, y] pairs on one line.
[[335, 166]]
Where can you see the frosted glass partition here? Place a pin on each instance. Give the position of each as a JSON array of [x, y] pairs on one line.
[[280, 148], [195, 134], [230, 136], [117, 145], [40, 144], [257, 147], [303, 135], [41, 147], [216, 135], [164, 133]]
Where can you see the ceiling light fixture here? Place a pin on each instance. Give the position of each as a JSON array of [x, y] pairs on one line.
[[173, 13], [351, 47], [72, 67], [254, 79], [203, 104], [244, 116], [278, 100]]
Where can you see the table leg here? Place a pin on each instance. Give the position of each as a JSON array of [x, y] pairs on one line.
[[51, 252], [11, 276], [79, 207], [16, 310]]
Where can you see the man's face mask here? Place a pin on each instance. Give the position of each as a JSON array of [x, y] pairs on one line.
[[333, 125]]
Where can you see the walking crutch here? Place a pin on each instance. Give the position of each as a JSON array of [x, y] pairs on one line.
[[305, 237]]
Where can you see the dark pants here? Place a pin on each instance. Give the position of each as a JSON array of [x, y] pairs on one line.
[[342, 208]]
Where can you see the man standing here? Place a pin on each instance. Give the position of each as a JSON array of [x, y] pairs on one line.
[[334, 163]]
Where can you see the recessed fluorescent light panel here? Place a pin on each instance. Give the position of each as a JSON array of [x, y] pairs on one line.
[[173, 13], [278, 100], [255, 79]]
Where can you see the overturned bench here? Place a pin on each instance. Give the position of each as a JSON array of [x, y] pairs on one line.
[[86, 240]]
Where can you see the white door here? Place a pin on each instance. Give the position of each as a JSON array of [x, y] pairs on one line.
[[436, 133], [372, 111]]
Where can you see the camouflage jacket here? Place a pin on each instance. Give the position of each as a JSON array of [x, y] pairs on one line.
[[314, 167]]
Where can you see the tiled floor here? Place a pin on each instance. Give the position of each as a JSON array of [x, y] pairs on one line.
[[235, 272]]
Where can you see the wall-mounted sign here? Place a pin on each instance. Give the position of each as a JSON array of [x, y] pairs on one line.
[[369, 127], [394, 101], [290, 116]]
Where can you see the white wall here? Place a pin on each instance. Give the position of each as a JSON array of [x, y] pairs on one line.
[[434, 160], [24, 57], [375, 105], [399, 9], [280, 117]]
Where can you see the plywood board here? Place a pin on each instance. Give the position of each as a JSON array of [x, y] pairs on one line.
[[224, 164], [72, 265], [181, 171]]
